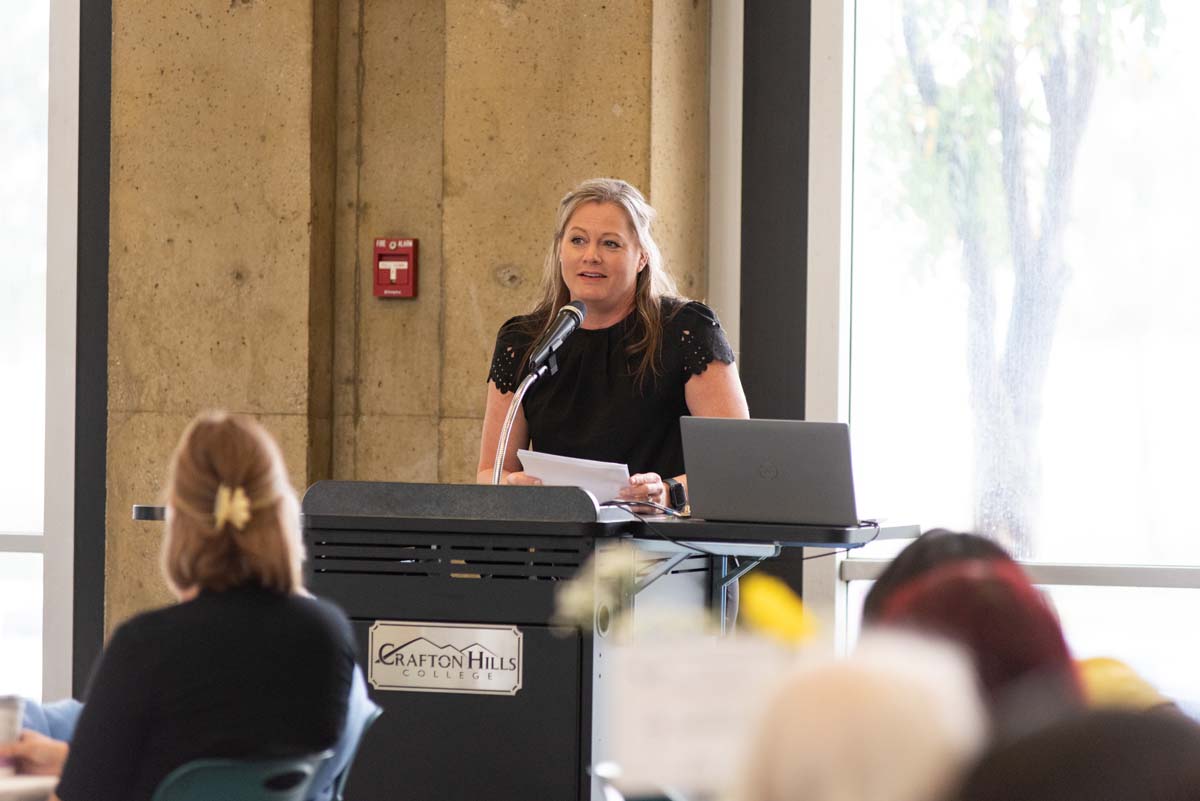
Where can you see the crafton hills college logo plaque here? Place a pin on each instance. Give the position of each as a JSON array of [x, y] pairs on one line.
[[476, 659]]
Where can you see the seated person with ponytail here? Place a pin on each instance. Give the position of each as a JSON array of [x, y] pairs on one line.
[[247, 664]]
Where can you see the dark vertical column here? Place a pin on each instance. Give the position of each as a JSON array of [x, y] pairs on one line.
[[775, 100], [91, 335], [774, 206]]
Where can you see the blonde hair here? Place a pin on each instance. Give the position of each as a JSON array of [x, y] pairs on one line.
[[222, 457], [900, 720], [654, 282]]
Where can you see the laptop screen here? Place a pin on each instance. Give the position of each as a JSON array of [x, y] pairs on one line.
[[769, 471]]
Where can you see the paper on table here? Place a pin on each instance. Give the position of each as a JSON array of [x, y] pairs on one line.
[[706, 695], [27, 788], [602, 479]]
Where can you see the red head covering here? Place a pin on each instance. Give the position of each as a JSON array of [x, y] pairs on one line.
[[989, 607]]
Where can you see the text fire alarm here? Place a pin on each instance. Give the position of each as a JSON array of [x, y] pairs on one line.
[[395, 268]]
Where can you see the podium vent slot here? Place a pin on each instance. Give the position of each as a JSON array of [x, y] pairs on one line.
[[449, 556]]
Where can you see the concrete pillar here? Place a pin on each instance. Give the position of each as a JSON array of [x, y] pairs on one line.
[[220, 240], [391, 65]]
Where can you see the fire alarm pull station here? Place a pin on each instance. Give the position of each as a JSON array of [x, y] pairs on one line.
[[395, 268]]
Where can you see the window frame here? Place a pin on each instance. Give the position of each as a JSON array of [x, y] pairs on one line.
[[827, 339], [62, 224]]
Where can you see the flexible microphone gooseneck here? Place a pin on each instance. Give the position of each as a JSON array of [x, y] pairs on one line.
[[569, 318]]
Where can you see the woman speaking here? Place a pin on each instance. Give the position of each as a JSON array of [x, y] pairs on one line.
[[643, 356]]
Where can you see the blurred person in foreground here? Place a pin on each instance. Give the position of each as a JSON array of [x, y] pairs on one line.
[[933, 549], [247, 664], [1106, 682], [897, 721], [1104, 755], [988, 606]]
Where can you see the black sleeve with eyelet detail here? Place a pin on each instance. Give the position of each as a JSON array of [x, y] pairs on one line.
[[700, 338], [508, 357]]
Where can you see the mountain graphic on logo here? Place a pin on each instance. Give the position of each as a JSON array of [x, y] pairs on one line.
[[474, 647]]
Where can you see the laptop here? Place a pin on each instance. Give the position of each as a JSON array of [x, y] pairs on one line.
[[769, 471]]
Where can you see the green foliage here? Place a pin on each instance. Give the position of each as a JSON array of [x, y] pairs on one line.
[[946, 145]]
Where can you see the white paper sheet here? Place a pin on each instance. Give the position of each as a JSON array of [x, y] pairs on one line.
[[27, 788], [602, 479], [680, 712]]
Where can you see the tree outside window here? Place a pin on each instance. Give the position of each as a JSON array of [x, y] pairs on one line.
[[1020, 332]]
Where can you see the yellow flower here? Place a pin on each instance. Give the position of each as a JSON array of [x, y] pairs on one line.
[[1110, 683], [770, 607]]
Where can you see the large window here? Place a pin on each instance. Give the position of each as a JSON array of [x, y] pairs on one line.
[[39, 74], [1023, 275], [1017, 188], [24, 92]]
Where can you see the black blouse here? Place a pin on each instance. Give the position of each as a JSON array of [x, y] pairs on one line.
[[594, 408], [241, 673]]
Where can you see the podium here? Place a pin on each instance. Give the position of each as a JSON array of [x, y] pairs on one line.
[[451, 591]]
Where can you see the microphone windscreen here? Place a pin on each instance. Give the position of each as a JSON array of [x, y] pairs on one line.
[[578, 304]]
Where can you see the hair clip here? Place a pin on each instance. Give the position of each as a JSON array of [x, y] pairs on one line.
[[232, 506]]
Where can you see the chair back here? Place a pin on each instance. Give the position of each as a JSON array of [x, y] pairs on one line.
[[277, 779], [339, 785]]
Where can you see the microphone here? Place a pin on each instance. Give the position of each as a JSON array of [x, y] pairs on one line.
[[569, 318]]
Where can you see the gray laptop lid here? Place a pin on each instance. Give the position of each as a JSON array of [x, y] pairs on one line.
[[769, 471]]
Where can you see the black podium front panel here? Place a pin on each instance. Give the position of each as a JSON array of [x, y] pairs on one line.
[[429, 563], [463, 569], [445, 747]]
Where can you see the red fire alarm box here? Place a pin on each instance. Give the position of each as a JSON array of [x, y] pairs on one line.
[[395, 268]]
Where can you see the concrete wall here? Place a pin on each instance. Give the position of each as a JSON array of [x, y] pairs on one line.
[[462, 123], [218, 243], [258, 150]]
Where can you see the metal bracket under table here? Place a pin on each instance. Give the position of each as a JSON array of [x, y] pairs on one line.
[[719, 552]]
